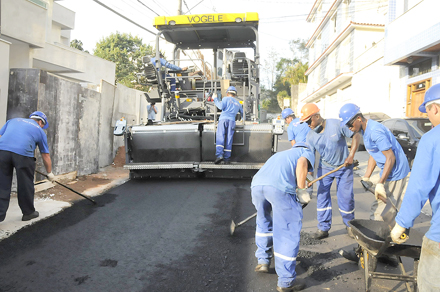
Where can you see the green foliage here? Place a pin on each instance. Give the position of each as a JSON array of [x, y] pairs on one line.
[[77, 44], [269, 101], [280, 98], [126, 52]]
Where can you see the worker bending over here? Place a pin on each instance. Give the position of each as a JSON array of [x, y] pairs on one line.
[[385, 152], [226, 124], [424, 184], [18, 140], [328, 139], [296, 131], [279, 187]]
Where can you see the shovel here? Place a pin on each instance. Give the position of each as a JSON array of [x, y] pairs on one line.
[[390, 211]]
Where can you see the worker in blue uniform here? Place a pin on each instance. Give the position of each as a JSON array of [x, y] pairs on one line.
[[171, 66], [328, 139], [18, 140], [296, 131], [385, 152], [424, 184], [226, 124], [279, 187]]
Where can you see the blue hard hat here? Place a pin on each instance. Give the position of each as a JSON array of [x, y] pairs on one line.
[[287, 112], [347, 112], [40, 116], [232, 89], [432, 94]]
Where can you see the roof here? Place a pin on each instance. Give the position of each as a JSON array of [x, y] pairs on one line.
[[210, 31]]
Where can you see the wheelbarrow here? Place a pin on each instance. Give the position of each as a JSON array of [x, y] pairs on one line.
[[374, 240]]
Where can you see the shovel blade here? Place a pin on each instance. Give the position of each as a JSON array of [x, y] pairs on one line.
[[232, 227], [367, 185], [389, 214]]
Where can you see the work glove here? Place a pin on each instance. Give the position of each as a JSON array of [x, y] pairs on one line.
[[364, 178], [303, 196], [214, 95], [51, 176], [396, 234], [380, 192]]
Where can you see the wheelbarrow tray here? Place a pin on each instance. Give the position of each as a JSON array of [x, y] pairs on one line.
[[373, 236]]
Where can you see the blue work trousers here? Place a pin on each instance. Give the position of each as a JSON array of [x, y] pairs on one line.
[[345, 195], [224, 138], [281, 230]]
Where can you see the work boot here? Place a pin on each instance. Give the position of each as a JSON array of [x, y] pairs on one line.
[[298, 285], [30, 216], [349, 231], [262, 268], [226, 161], [320, 234], [218, 160], [349, 255]]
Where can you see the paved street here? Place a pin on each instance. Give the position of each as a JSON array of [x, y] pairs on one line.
[[173, 235]]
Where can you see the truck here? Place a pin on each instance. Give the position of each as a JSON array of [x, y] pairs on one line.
[[182, 143]]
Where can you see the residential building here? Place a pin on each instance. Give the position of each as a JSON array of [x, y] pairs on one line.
[[346, 62], [36, 34], [413, 42]]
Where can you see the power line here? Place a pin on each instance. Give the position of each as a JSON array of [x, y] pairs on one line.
[[148, 7]]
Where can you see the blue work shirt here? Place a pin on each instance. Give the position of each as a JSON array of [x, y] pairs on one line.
[[378, 138], [151, 113], [297, 131], [21, 136], [165, 63], [424, 184], [330, 144], [229, 106], [279, 171]]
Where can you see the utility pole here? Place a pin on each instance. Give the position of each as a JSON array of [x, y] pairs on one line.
[[179, 12]]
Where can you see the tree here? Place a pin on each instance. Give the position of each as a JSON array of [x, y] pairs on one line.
[[280, 98], [127, 52], [77, 44]]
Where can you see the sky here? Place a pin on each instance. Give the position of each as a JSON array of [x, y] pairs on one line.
[[280, 21]]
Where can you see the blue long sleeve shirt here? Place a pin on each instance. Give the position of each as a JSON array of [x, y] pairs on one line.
[[424, 184], [165, 63], [229, 106]]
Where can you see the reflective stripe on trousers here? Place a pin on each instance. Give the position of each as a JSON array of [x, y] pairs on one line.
[[281, 230], [224, 138], [345, 195]]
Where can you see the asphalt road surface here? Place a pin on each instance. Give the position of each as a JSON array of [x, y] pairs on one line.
[[173, 235]]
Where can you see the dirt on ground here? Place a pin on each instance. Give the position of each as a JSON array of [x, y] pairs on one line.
[[82, 183]]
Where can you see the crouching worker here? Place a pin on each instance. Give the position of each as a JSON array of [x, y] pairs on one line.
[[424, 185], [18, 140], [279, 187]]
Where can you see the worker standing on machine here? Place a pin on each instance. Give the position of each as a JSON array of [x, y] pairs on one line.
[[424, 184], [18, 140], [328, 139], [226, 124], [296, 131], [279, 187], [385, 152]]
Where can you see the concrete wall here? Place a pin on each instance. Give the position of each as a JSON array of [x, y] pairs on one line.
[[4, 76], [80, 133]]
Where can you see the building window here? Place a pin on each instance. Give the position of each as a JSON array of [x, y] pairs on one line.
[[420, 68], [39, 3]]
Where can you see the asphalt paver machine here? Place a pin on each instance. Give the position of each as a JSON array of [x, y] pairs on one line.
[[182, 144]]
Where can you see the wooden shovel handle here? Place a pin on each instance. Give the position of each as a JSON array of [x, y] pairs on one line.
[[330, 172]]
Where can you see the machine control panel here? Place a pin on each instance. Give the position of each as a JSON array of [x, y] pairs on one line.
[[278, 126]]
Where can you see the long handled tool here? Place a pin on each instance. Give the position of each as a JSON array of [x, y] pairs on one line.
[[390, 211], [84, 196], [234, 225]]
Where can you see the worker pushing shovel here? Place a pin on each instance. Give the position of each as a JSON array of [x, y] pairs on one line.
[[278, 192]]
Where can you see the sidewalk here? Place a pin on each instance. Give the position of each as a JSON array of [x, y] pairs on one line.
[[55, 199]]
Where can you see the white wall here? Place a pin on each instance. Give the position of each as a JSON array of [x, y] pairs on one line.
[[4, 79]]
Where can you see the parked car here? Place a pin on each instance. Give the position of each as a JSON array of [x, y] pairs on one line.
[[376, 116], [408, 132]]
